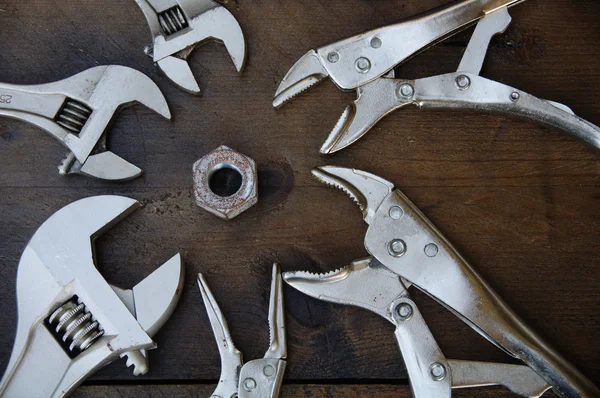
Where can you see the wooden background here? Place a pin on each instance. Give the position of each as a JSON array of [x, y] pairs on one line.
[[519, 201]]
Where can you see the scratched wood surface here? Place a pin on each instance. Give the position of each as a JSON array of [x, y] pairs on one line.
[[519, 201]]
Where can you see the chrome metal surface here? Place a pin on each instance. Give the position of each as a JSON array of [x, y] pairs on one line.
[[370, 285], [519, 379], [259, 378], [57, 281], [448, 278], [178, 26], [78, 110], [379, 94], [307, 72]]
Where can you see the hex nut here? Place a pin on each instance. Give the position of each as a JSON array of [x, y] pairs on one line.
[[226, 207]]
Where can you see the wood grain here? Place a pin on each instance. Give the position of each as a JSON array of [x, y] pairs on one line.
[[288, 391], [519, 201]]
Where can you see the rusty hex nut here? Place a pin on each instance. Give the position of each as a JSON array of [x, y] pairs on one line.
[[226, 207]]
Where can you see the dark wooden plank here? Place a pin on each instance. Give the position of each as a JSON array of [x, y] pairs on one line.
[[288, 391], [521, 202]]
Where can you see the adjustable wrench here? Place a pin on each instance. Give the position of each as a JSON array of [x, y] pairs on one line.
[[71, 322], [77, 112]]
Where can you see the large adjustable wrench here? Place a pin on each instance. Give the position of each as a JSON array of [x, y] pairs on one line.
[[71, 321]]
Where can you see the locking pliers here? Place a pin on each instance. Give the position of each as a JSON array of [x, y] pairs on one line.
[[178, 26], [260, 378], [71, 322], [408, 250], [78, 110], [366, 63]]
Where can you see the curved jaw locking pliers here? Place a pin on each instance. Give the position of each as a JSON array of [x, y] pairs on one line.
[[409, 251], [259, 378], [178, 26], [77, 112], [366, 63], [71, 321]]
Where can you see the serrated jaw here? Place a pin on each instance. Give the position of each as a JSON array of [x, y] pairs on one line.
[[366, 189], [305, 73]]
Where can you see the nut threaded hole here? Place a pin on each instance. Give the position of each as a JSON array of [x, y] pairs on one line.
[[225, 181]]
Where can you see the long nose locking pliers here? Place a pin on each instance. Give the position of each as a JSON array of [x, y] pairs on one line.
[[408, 250], [366, 63], [77, 112], [259, 378], [71, 320]]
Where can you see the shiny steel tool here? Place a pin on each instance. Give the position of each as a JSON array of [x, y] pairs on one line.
[[366, 63], [77, 111], [408, 250], [260, 378], [178, 26], [71, 321]]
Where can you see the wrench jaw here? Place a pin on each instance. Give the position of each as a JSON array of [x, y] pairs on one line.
[[179, 72], [104, 166], [118, 88], [367, 190], [103, 91], [306, 72], [152, 302], [219, 24]]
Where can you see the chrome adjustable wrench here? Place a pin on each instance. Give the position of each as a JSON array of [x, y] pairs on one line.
[[366, 63], [71, 322], [77, 112], [178, 26], [409, 250]]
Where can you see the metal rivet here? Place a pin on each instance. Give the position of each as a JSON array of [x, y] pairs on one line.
[[249, 384], [406, 91], [363, 65], [463, 82], [268, 370], [437, 371], [376, 42], [404, 311], [397, 247], [396, 212], [431, 250], [333, 57], [514, 97]]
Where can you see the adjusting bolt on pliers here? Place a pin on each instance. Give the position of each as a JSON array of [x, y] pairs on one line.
[[78, 110], [366, 63], [71, 322], [178, 26], [407, 250], [259, 378]]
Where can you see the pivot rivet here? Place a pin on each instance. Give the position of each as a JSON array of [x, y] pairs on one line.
[[363, 65]]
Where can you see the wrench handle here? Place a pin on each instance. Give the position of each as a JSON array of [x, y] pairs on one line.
[[19, 98]]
